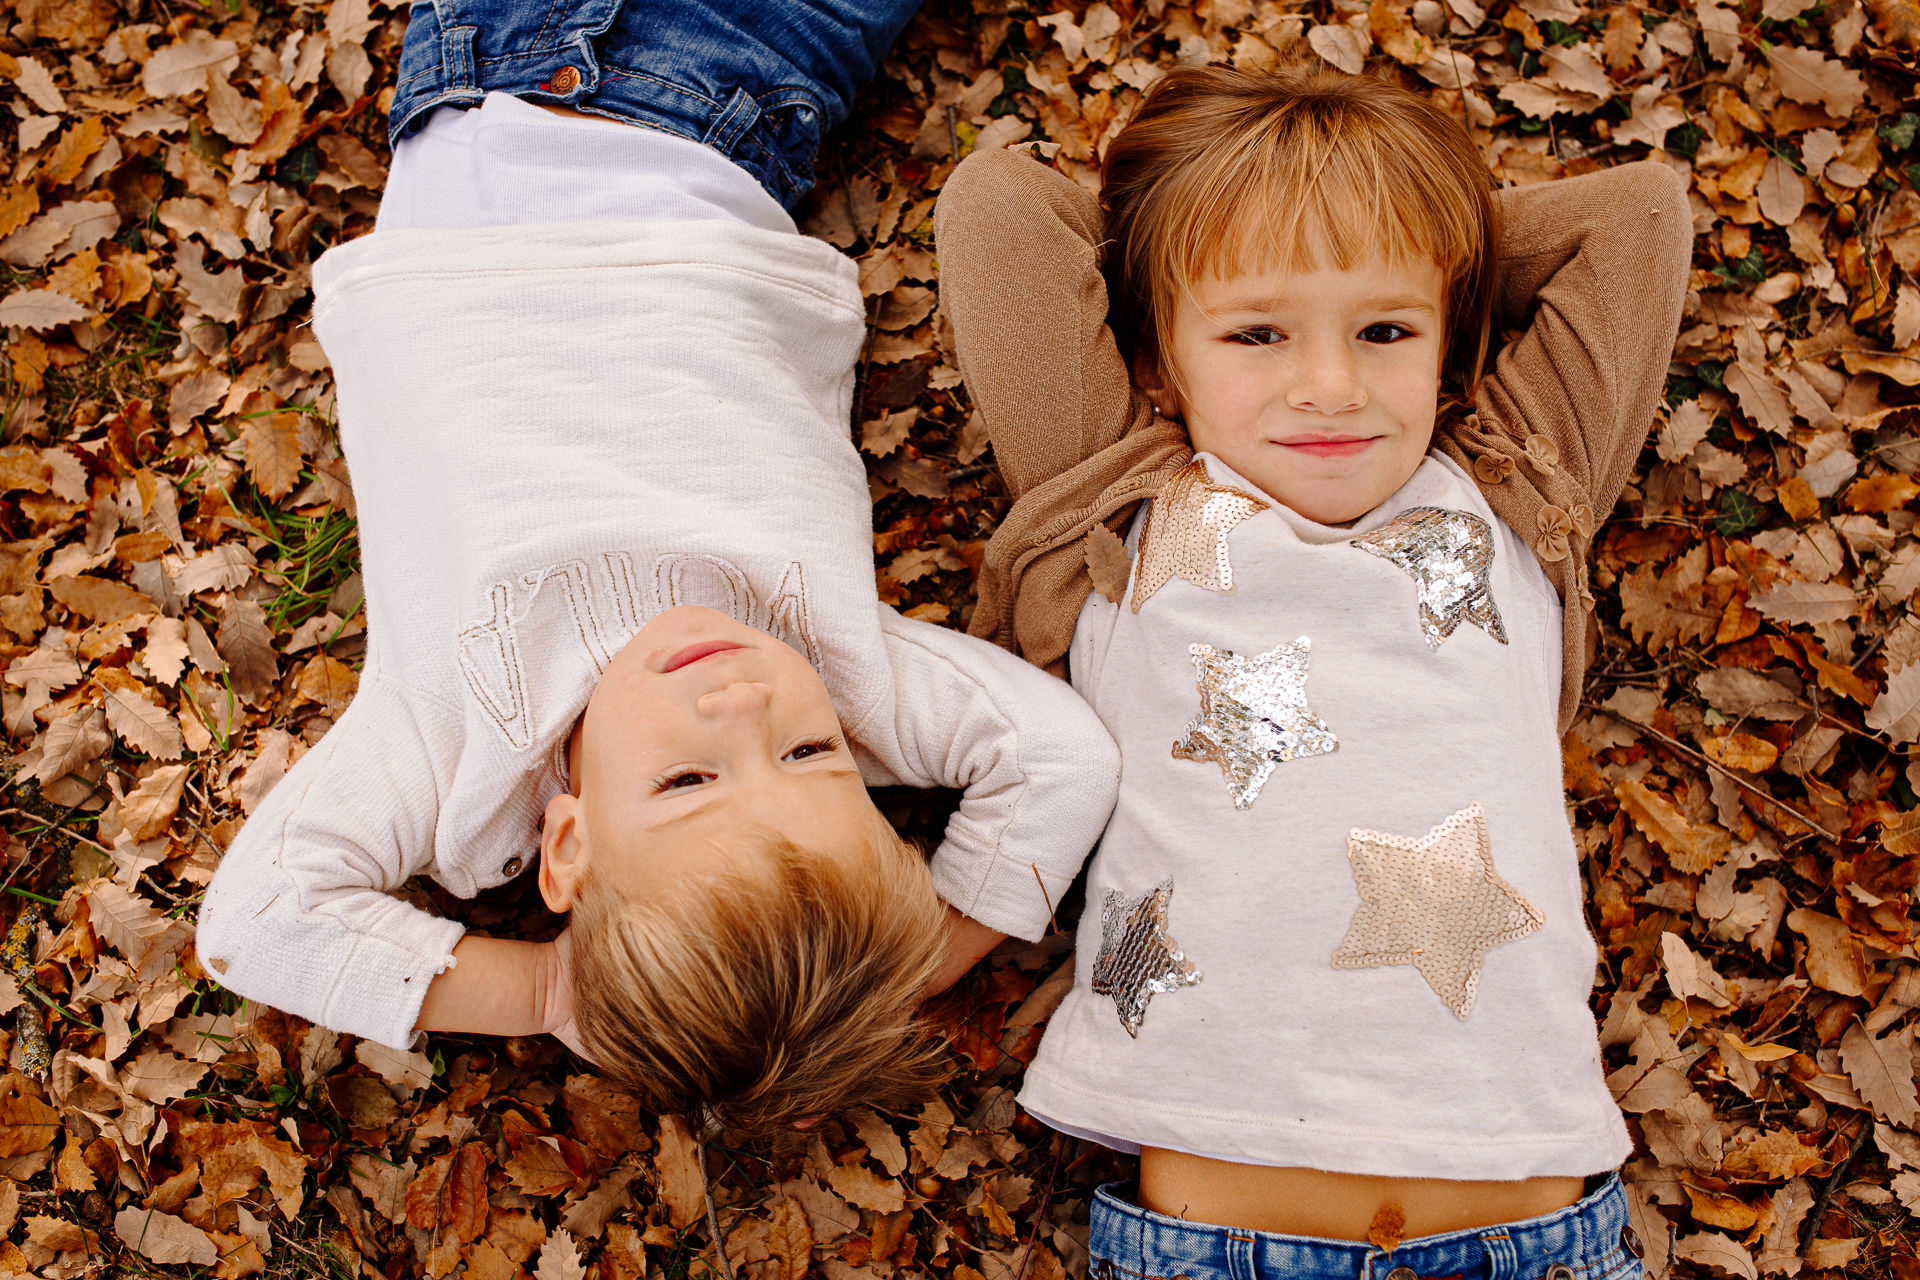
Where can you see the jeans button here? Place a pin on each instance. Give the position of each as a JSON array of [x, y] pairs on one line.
[[1559, 1271], [1104, 1271], [1630, 1241], [565, 80], [1403, 1273]]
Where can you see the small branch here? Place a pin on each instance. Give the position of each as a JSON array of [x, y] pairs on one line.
[[1710, 763]]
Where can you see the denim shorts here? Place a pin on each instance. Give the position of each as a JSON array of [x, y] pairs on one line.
[[1586, 1241], [761, 81]]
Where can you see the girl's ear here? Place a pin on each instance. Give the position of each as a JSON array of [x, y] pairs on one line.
[[1153, 384], [564, 853]]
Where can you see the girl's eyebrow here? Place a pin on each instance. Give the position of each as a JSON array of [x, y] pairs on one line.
[[1384, 301]]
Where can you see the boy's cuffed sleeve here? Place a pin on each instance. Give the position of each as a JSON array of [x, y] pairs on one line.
[[1020, 281], [1038, 772], [301, 914]]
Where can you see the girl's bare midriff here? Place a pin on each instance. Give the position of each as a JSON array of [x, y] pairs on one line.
[[1339, 1206]]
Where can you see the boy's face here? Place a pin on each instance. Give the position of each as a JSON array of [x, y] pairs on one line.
[[701, 732], [1318, 386]]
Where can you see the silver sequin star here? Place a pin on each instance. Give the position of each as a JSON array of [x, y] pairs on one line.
[[1435, 903], [1137, 958], [1253, 715], [1186, 533], [1449, 555]]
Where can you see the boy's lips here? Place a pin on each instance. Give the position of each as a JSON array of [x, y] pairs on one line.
[[1329, 446], [693, 653]]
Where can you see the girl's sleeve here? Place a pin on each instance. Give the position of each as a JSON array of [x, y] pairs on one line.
[[302, 913], [1037, 770], [1601, 263], [1020, 281]]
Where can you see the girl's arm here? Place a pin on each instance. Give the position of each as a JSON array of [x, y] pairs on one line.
[[503, 987], [1601, 262], [1020, 280]]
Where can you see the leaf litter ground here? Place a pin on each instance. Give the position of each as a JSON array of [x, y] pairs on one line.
[[180, 620]]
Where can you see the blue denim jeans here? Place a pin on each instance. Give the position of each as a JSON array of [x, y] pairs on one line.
[[761, 81], [1586, 1241]]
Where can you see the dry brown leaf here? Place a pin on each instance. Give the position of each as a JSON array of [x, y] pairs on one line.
[[1388, 1228], [160, 1076], [1109, 563], [1690, 847], [274, 456], [184, 67], [99, 600], [142, 725], [1881, 1068], [27, 1124], [789, 1240], [161, 1237], [560, 1259], [883, 1144], [1835, 958], [1690, 977], [246, 643], [1773, 1156], [37, 310], [329, 682], [683, 1184], [861, 1186], [1896, 712], [149, 807], [1806, 75]]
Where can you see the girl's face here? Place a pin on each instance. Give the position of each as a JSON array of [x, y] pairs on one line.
[[1319, 387]]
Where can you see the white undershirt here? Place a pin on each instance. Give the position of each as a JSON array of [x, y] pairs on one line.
[[510, 163]]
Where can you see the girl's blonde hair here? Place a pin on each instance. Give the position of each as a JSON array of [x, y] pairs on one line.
[[1224, 171], [781, 990]]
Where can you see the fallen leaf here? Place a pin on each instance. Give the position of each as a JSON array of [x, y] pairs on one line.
[[1896, 712], [1690, 847], [1835, 959], [146, 811], [789, 1240], [683, 1184], [161, 1237], [1881, 1068]]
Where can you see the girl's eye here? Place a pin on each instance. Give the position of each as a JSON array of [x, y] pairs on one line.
[[1384, 333], [680, 781], [807, 750], [1259, 335]]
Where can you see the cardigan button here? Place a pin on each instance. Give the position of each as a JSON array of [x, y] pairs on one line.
[[1630, 1241], [565, 80], [512, 868]]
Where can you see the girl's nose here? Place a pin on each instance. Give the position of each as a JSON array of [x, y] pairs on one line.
[[1327, 381]]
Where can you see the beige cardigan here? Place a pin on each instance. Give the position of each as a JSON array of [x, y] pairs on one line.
[[1601, 261]]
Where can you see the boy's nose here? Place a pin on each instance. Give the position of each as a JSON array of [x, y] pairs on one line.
[[741, 700]]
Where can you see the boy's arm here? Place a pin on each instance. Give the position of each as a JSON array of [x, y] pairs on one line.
[[1038, 771], [1601, 261], [504, 987], [1020, 281], [301, 914]]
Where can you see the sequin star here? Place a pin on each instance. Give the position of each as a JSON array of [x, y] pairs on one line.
[[1449, 555], [1435, 903], [1186, 533], [1253, 715], [1137, 958]]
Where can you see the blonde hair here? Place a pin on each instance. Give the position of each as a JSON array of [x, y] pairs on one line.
[[1223, 171], [781, 988]]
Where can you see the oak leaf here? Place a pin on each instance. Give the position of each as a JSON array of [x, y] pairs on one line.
[[1690, 977], [789, 1240], [140, 724], [1807, 75], [1805, 603], [1109, 563], [1691, 848], [1896, 712], [100, 600], [71, 743], [883, 1144], [245, 641], [861, 1186], [38, 309], [27, 1124], [560, 1259], [274, 456], [1773, 1156], [1882, 1070], [1835, 958], [159, 1076], [1882, 493], [683, 1183], [1721, 1253], [184, 67], [148, 808]]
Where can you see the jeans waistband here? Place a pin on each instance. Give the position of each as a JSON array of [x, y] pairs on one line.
[[1590, 1238]]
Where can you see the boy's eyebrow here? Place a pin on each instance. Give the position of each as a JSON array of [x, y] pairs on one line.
[[691, 812], [1252, 301]]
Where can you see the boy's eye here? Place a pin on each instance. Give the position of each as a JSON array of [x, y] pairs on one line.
[[1259, 335], [1385, 332], [681, 781], [807, 750]]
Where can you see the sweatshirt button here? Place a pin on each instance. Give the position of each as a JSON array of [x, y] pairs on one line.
[[512, 868], [565, 80]]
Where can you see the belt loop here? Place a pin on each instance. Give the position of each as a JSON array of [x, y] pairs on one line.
[[740, 115], [456, 56], [1503, 1261], [1240, 1258]]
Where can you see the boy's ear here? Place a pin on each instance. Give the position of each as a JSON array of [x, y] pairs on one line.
[[1153, 385], [564, 853]]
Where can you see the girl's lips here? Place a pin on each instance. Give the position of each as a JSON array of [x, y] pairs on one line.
[[694, 652], [1342, 448]]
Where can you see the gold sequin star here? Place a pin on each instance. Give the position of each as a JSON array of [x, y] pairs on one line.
[[1186, 533], [1137, 958], [1253, 715], [1449, 556], [1435, 903]]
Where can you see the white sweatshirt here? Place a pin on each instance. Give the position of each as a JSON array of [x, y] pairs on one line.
[[1362, 985], [557, 431]]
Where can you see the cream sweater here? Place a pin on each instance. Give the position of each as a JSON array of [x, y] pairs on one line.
[[556, 431]]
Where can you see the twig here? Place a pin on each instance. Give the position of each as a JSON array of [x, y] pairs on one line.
[[713, 1214], [1811, 1229], [1040, 1214], [52, 826], [1710, 763]]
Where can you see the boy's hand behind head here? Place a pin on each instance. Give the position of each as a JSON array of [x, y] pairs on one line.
[[749, 935]]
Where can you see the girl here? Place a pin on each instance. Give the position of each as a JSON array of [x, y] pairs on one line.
[[1332, 979]]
